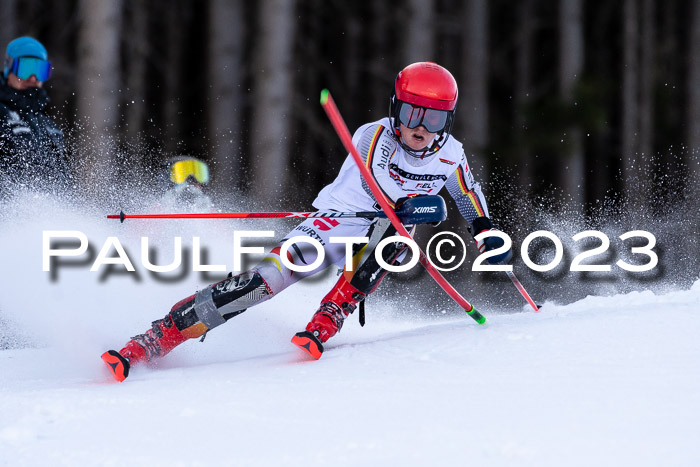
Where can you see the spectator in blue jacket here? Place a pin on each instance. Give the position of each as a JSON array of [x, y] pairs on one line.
[[32, 149]]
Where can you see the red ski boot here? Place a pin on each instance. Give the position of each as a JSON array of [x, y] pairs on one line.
[[156, 342], [328, 319]]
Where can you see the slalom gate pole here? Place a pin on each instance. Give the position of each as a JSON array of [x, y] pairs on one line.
[[341, 128], [251, 215], [522, 290]]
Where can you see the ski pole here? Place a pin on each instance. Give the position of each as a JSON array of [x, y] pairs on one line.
[[341, 128], [251, 215], [522, 290]]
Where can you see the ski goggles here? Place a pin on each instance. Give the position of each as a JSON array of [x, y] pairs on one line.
[[412, 116], [184, 169], [25, 67]]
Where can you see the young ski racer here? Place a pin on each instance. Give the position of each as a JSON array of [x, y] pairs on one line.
[[410, 154]]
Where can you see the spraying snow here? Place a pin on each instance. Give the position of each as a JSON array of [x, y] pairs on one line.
[[611, 380]]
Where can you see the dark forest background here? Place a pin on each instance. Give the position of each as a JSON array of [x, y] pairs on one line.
[[574, 114], [585, 98]]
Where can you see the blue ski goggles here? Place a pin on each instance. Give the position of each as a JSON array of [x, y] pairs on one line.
[[25, 67], [412, 116]]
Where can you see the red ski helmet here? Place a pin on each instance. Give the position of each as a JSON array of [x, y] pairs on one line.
[[423, 86]]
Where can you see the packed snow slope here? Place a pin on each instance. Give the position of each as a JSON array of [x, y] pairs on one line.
[[604, 381], [611, 380]]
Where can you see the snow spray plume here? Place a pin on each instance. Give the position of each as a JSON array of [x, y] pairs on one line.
[[76, 307], [672, 216], [80, 313]]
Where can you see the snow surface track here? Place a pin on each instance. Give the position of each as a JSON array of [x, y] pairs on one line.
[[602, 381], [605, 381]]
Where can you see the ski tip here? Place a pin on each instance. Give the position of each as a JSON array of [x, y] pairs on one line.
[[324, 96], [307, 342], [118, 365]]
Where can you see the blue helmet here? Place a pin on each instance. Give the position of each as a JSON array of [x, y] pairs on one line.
[[23, 47]]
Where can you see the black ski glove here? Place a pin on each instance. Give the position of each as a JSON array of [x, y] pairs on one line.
[[433, 208], [484, 224]]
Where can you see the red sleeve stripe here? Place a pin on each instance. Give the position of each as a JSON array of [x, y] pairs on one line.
[[470, 194], [461, 181], [372, 146], [370, 157], [476, 204]]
